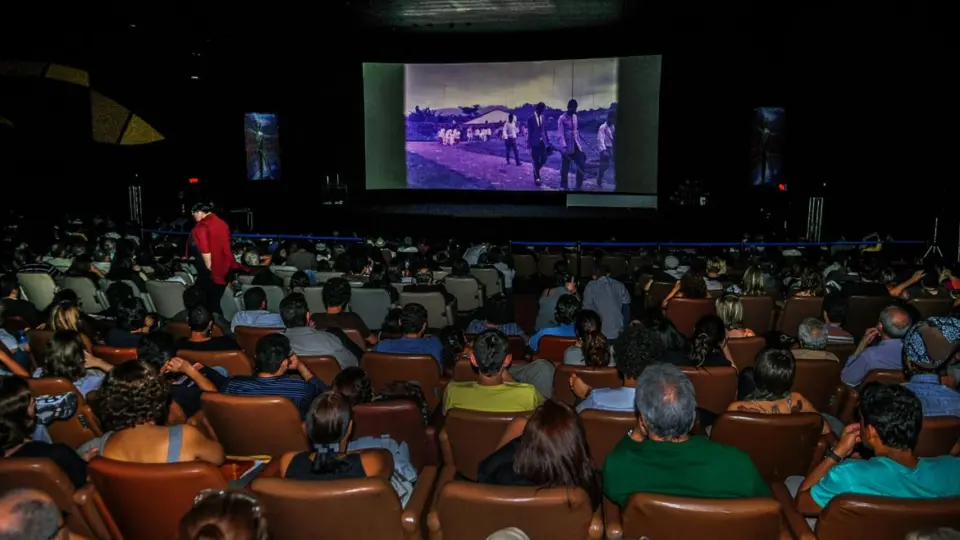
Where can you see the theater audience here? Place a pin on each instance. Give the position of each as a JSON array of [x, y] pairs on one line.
[[336, 295], [187, 381], [132, 323], [305, 340], [274, 359], [565, 317], [637, 348], [255, 311], [592, 348], [18, 419], [890, 421], [495, 390], [497, 313], [13, 305], [692, 285], [225, 515], [548, 450], [927, 347], [880, 348], [708, 349], [564, 284], [413, 338], [834, 315], [730, 310], [66, 316], [66, 358], [133, 408], [201, 330], [660, 456], [752, 283], [610, 299], [813, 341], [809, 283]]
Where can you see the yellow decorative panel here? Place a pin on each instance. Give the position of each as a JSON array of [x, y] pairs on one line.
[[140, 132], [69, 74], [107, 118]]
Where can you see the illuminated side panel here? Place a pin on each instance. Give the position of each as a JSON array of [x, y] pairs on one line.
[[69, 74], [107, 118], [140, 132]]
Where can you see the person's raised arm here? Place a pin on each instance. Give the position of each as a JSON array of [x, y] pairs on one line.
[[179, 365], [898, 290], [12, 365], [806, 504]]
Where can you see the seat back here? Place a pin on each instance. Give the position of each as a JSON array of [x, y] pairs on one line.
[[230, 417], [91, 299], [39, 288], [398, 418], [525, 265], [616, 263], [347, 509], [938, 436], [44, 475], [79, 428], [433, 302], [864, 312], [274, 293], [795, 310], [146, 501], [385, 368], [371, 305], [933, 307], [861, 516], [716, 387], [355, 337], [552, 347], [607, 377], [314, 297], [325, 368], [323, 277], [468, 511], [115, 355], [758, 313], [885, 376], [235, 362], [167, 297], [39, 342], [179, 330], [470, 436], [490, 277], [842, 351], [248, 336], [780, 445], [545, 263], [817, 380], [663, 516], [658, 292], [686, 312], [744, 351], [230, 305], [467, 291], [604, 430]]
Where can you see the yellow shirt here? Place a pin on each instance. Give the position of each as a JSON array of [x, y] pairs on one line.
[[506, 397]]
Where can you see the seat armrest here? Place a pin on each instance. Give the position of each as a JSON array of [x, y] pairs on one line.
[[595, 532], [840, 396], [431, 454], [849, 406], [412, 515], [612, 519], [797, 523], [447, 474], [84, 499]]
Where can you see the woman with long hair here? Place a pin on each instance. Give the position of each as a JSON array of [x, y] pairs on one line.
[[66, 316], [753, 283], [709, 347], [225, 515], [730, 309], [810, 283], [592, 348], [693, 284], [68, 359], [548, 450]]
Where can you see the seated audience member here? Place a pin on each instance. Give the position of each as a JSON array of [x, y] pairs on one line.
[[564, 284], [18, 419], [354, 384], [497, 313], [308, 341], [890, 421], [752, 283], [592, 348], [116, 293], [300, 258], [187, 381], [610, 299], [730, 310], [255, 312], [233, 515], [82, 266], [329, 422], [565, 317], [660, 456], [380, 279], [423, 282], [813, 341], [336, 295], [834, 315], [548, 450], [192, 296], [13, 305], [124, 268], [691, 285], [880, 348], [455, 347], [133, 408], [927, 346], [299, 281], [30, 514], [66, 358], [201, 326], [637, 348], [132, 323], [413, 326], [716, 273], [709, 347], [274, 359], [66, 316], [809, 283], [495, 389]]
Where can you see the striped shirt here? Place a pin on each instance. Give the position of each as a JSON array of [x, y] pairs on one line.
[[300, 392], [41, 268]]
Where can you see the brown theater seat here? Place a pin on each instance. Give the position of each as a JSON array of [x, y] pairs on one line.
[[470, 436], [401, 420], [819, 382], [248, 336], [716, 387], [385, 368], [933, 307], [780, 445], [686, 312], [325, 368], [864, 312], [552, 348], [39, 342], [76, 430], [115, 355], [795, 310], [181, 330], [235, 362], [938, 436], [758, 313], [469, 511], [605, 430], [744, 351], [607, 377], [255, 425]]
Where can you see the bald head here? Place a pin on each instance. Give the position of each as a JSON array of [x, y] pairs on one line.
[[894, 322], [29, 514]]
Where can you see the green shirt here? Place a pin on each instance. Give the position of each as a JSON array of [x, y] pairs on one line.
[[698, 468]]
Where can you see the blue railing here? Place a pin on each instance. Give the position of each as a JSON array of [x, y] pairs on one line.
[[270, 236]]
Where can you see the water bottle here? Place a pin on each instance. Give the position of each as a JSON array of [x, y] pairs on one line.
[[22, 340]]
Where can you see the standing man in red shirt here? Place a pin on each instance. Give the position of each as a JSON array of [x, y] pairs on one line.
[[210, 241]]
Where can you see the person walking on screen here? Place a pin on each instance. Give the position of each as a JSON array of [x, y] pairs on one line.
[[537, 140], [510, 138], [210, 241], [568, 135], [605, 142]]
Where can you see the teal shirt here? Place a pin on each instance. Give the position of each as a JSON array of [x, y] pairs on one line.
[[884, 477]]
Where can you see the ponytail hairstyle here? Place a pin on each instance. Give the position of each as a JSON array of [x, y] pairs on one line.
[[708, 338], [329, 422], [596, 350]]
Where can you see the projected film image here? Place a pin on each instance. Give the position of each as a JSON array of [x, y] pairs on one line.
[[518, 126], [767, 148], [262, 137]]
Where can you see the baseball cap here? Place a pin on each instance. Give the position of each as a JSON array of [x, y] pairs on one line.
[[930, 343]]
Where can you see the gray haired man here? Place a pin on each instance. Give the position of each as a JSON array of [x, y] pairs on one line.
[[29, 514], [813, 341]]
